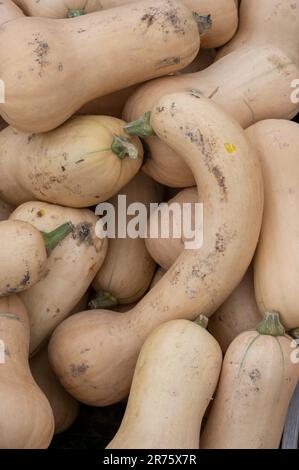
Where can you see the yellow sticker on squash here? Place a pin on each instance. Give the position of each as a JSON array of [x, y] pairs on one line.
[[230, 148]]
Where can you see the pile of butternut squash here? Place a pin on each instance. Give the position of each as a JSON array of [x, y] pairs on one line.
[[166, 103]]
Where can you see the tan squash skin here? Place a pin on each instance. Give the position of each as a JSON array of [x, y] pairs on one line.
[[200, 280], [65, 408], [166, 250], [250, 93], [40, 52], [223, 12], [237, 314], [256, 385], [128, 267], [26, 418], [5, 210], [72, 166], [175, 378], [69, 269], [9, 11], [276, 266], [23, 256]]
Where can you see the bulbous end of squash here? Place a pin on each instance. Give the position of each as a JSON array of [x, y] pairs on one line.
[[141, 127], [271, 325], [104, 300], [122, 146], [202, 321], [52, 239], [72, 13]]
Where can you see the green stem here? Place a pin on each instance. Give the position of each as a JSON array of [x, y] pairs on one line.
[[295, 333], [52, 239], [204, 22], [122, 146], [103, 299], [72, 13], [141, 127], [202, 321], [271, 325]]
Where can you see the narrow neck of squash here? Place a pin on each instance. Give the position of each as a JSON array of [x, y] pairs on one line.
[[271, 325], [141, 127], [52, 239], [72, 13], [202, 321], [103, 299]]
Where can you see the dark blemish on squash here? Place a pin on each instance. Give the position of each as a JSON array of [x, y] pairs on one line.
[[149, 18], [220, 180], [220, 243], [77, 370], [160, 109], [29, 138], [58, 310], [63, 168], [85, 350], [196, 271], [82, 233], [26, 279], [7, 353], [195, 93], [48, 310], [10, 316], [60, 67], [80, 161], [255, 375], [293, 6], [168, 62], [81, 30], [279, 64], [41, 52], [213, 93], [65, 155], [41, 213]]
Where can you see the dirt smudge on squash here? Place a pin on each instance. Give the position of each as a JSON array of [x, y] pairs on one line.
[[169, 19], [168, 62], [41, 52], [10, 316], [78, 369], [83, 233]]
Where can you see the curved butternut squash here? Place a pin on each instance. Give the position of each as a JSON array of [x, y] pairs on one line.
[[40, 66], [276, 266], [200, 279], [80, 164], [26, 418], [5, 210], [69, 270], [256, 385], [65, 408], [128, 267], [237, 314], [175, 378], [9, 11], [252, 83]]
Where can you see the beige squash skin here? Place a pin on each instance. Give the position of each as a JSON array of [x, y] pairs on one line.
[[128, 267], [40, 52], [9, 11], [23, 256], [72, 166], [65, 408], [276, 266], [200, 280], [69, 270], [166, 250], [58, 8], [256, 385], [237, 314], [5, 210], [26, 418], [175, 378]]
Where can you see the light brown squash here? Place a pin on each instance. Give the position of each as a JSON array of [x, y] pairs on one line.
[[69, 270], [256, 385], [175, 378], [26, 418], [237, 314], [113, 49], [65, 408], [276, 266], [200, 280], [128, 267], [82, 163]]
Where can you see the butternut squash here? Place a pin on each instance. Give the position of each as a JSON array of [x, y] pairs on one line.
[[256, 385], [26, 418], [218, 152], [65, 408], [69, 270], [5, 210], [9, 11], [128, 268], [175, 378], [23, 254], [115, 48], [276, 266], [82, 163], [252, 83], [237, 314]]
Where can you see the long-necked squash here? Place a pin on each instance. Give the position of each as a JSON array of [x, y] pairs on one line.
[[256, 385], [251, 83], [237, 314], [115, 48], [9, 11], [128, 267], [69, 269], [276, 265], [23, 254], [82, 163], [26, 418], [175, 378], [219, 154], [65, 408]]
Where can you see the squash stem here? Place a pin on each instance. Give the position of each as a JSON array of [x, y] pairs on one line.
[[204, 22], [141, 127], [103, 299], [202, 321], [295, 333], [52, 239], [271, 325], [122, 146], [72, 13]]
